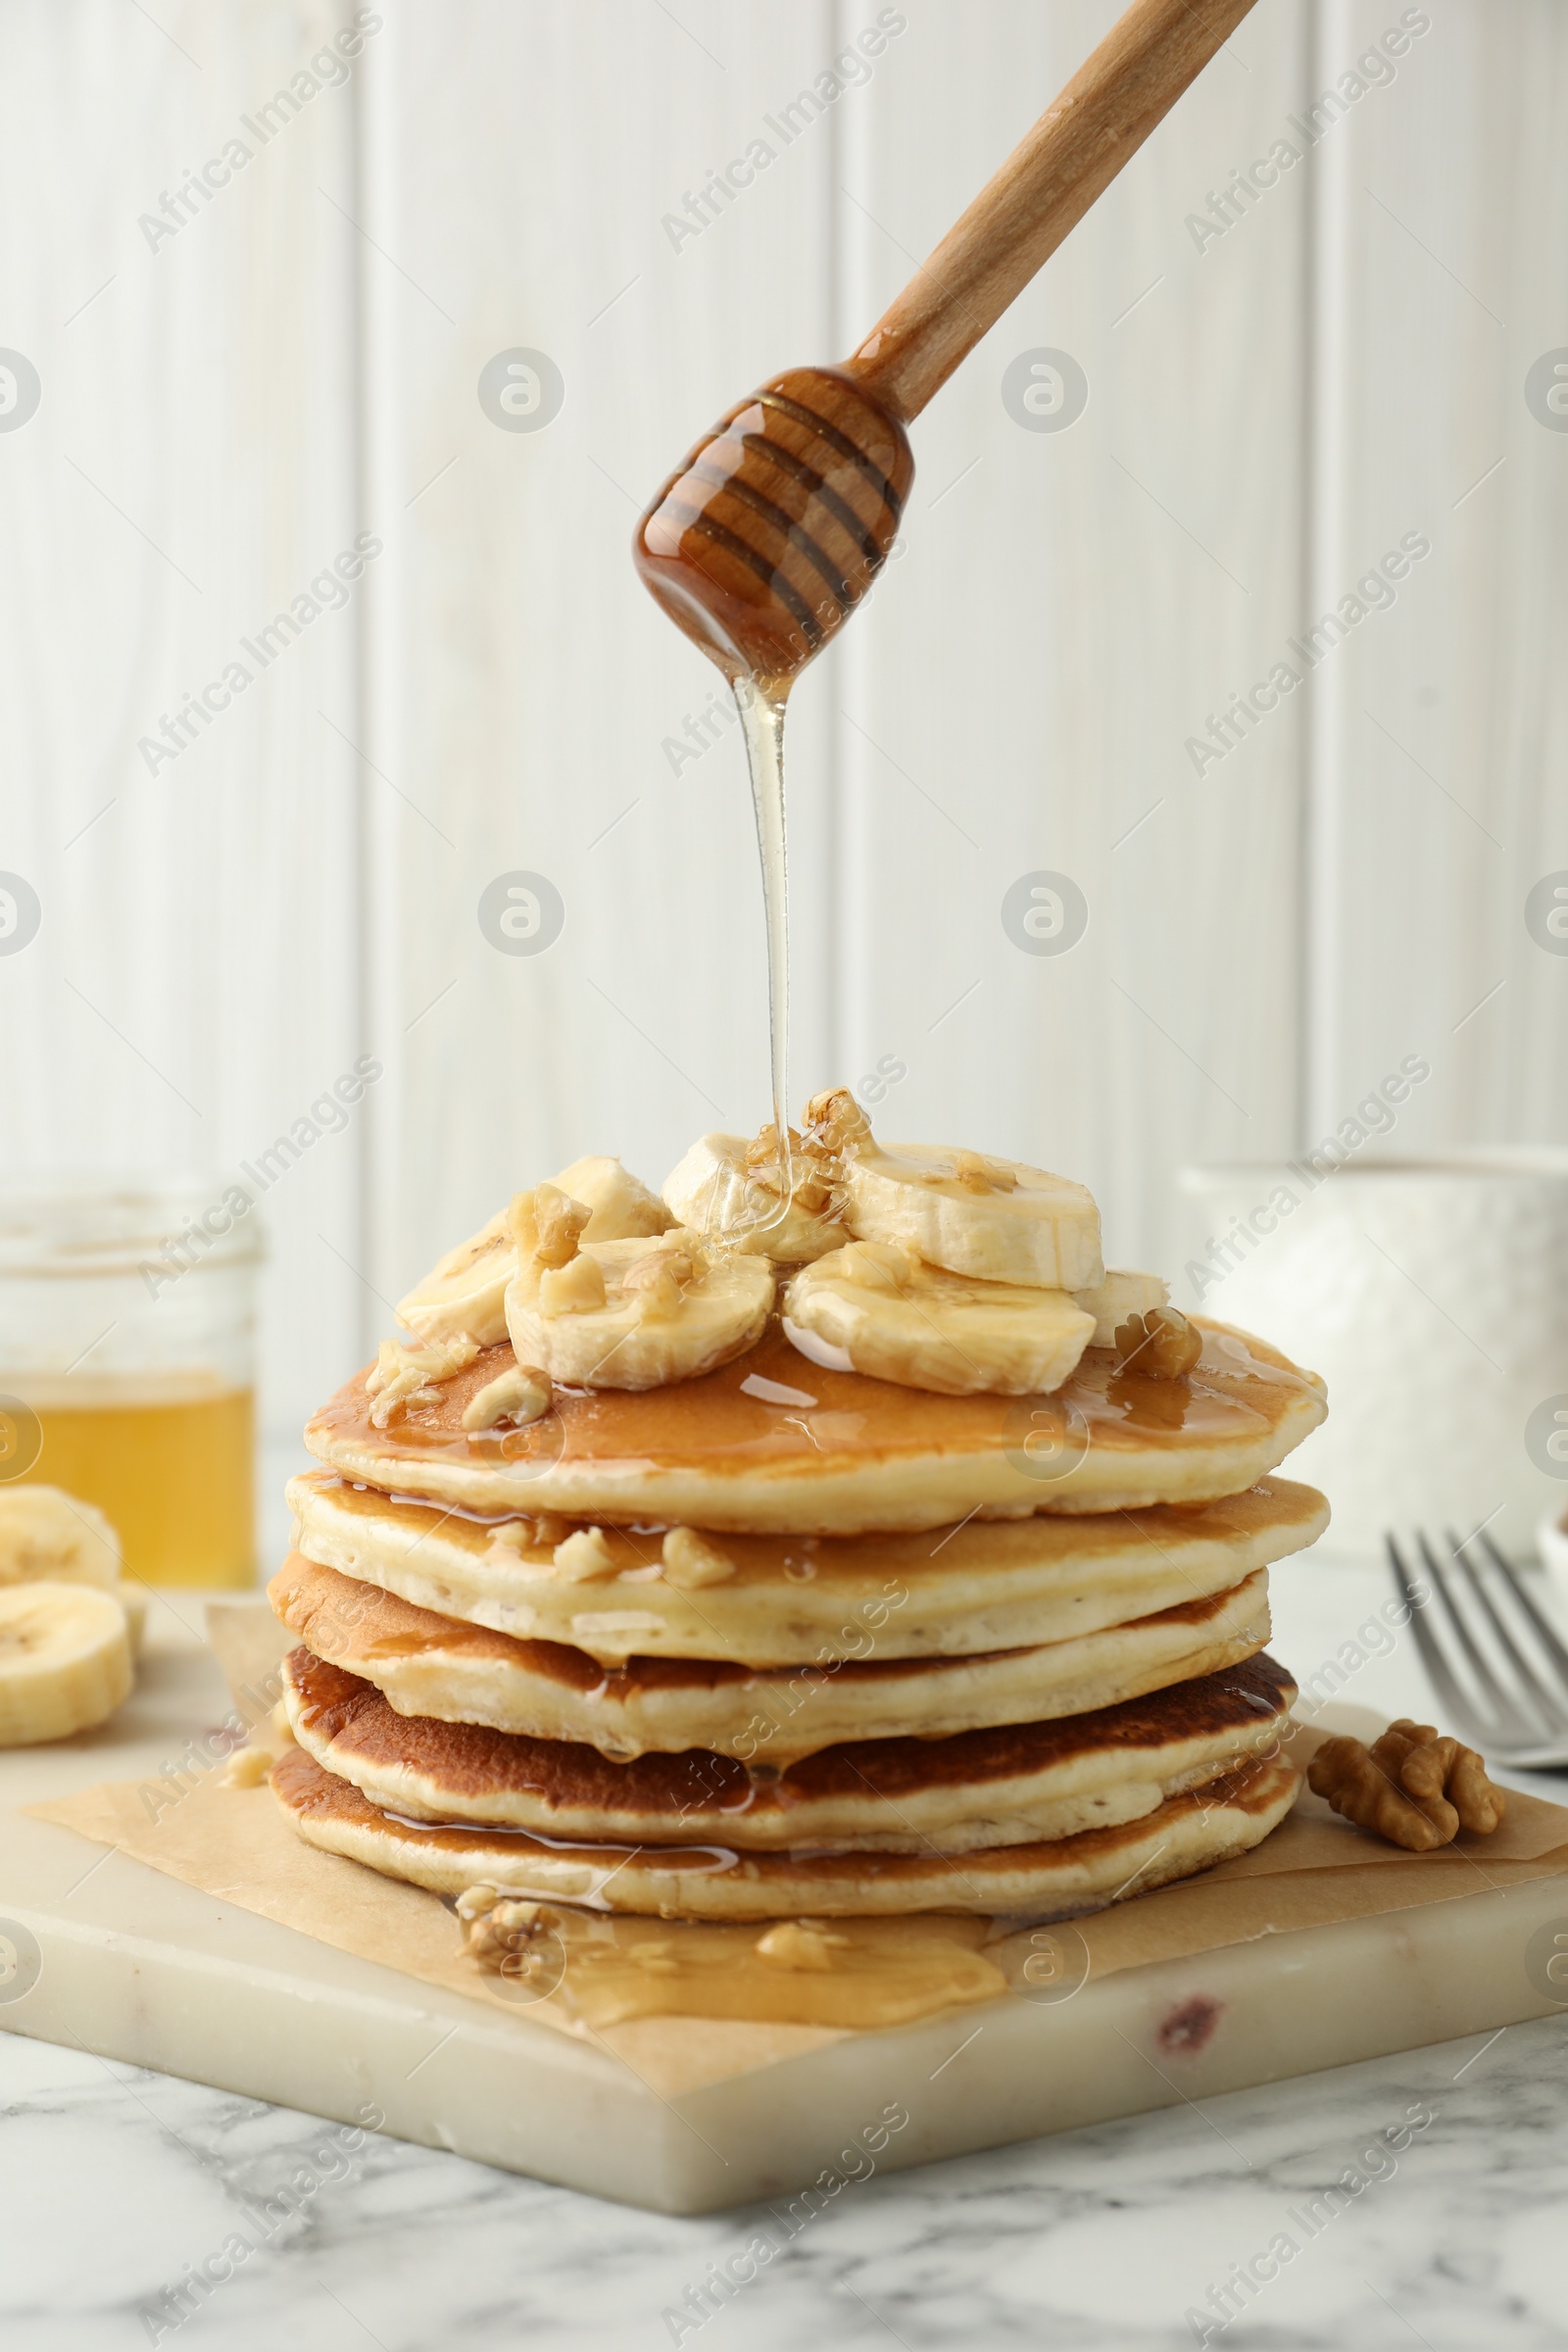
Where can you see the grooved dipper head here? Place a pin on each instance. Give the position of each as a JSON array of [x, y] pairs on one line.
[[765, 538]]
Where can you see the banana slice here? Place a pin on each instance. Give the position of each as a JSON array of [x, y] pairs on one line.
[[622, 1207], [994, 1219], [1119, 1295], [462, 1295], [727, 1190], [637, 1315], [465, 1291], [132, 1598], [65, 1661], [896, 1319], [46, 1532]]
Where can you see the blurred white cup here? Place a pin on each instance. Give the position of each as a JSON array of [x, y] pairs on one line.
[[1432, 1293]]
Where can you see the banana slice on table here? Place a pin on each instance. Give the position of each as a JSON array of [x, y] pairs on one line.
[[44, 1531], [639, 1313], [879, 1311], [465, 1293], [65, 1661], [729, 1191], [132, 1598], [994, 1219], [1119, 1295]]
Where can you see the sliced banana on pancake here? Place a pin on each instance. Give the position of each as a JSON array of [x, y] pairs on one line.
[[1119, 1295], [621, 1207], [727, 1190], [637, 1315], [885, 1314], [465, 1291], [994, 1220]]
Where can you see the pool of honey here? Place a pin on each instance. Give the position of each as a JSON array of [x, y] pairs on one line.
[[1239, 1388]]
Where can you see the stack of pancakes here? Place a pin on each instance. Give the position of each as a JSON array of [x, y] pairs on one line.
[[784, 1640]]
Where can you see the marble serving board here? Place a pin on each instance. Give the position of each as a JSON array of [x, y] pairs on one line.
[[104, 1953]]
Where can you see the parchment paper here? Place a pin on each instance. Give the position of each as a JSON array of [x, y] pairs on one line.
[[1313, 1871]]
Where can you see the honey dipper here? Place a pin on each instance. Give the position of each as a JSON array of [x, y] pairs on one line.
[[773, 527]]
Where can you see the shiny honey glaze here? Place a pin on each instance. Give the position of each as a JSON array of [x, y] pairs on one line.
[[857, 1973], [1240, 1389]]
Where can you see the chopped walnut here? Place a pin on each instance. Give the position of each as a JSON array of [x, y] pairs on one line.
[[978, 1174], [539, 1533], [1160, 1344], [559, 1221], [577, 1288], [800, 1943], [814, 1173], [1413, 1787], [516, 1396], [401, 1375], [585, 1555], [835, 1124], [508, 1937], [692, 1561], [655, 1282], [762, 1154]]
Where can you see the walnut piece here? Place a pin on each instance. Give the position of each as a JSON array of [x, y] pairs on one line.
[[516, 1396], [835, 1124], [655, 1282], [401, 1375], [585, 1556], [510, 1938], [813, 1172], [1161, 1345], [558, 1221], [805, 1945], [1412, 1786], [577, 1288], [691, 1562]]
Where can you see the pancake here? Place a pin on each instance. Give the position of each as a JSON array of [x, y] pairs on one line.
[[998, 1585], [774, 1443], [431, 1665], [1055, 1878], [1008, 1787]]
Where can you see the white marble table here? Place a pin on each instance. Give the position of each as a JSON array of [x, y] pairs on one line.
[[113, 2183]]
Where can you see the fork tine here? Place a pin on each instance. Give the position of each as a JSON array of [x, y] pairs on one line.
[[1512, 1724], [1458, 1704], [1553, 1717], [1543, 1629]]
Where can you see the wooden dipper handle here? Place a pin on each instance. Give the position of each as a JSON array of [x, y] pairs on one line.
[[766, 536], [1045, 187]]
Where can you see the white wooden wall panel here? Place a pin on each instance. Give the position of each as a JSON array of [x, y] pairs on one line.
[[1266, 416], [1439, 770], [523, 681], [190, 469], [1071, 604]]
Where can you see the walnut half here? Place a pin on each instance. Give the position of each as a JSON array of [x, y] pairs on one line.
[[1161, 1345], [1412, 1786]]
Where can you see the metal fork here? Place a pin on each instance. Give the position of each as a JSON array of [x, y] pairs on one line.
[[1512, 1704]]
